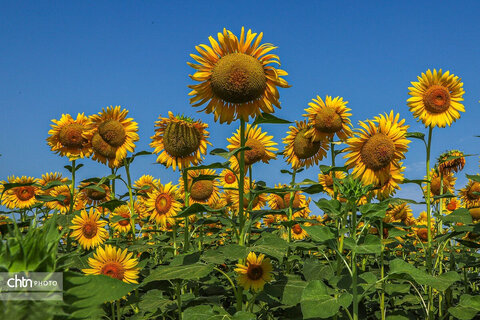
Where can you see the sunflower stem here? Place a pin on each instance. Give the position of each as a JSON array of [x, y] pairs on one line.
[[113, 185], [72, 201], [130, 196], [354, 264], [186, 244], [241, 184], [229, 280], [382, 273], [290, 208], [440, 252], [429, 224]]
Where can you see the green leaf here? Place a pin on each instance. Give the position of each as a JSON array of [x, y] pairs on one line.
[[441, 282], [416, 135], [153, 300], [313, 189], [462, 312], [374, 210], [187, 272], [330, 207], [196, 208], [317, 303], [313, 269], [287, 289], [473, 177], [269, 118], [205, 312], [319, 233], [371, 245], [327, 169], [271, 245], [461, 215], [112, 204]]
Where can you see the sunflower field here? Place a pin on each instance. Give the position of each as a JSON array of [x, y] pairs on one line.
[[218, 243]]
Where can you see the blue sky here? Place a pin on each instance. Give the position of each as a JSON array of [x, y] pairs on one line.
[[70, 57]]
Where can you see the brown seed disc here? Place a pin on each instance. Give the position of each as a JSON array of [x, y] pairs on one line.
[[378, 152], [70, 136], [112, 132], [328, 120], [437, 99], [303, 147]]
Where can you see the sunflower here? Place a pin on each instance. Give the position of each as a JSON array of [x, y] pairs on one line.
[[452, 204], [301, 151], [326, 180], [88, 229], [146, 184], [162, 204], [475, 213], [92, 195], [258, 201], [122, 225], [436, 98], [22, 197], [112, 135], [391, 184], [470, 195], [228, 179], [328, 118], [376, 149], [114, 263], [261, 147], [67, 136], [236, 77], [421, 226], [204, 191], [448, 183], [51, 178], [396, 213], [63, 205], [255, 273], [453, 160], [298, 232], [180, 140], [282, 201]]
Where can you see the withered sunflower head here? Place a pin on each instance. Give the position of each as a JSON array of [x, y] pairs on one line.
[[181, 139], [378, 152], [201, 190], [453, 160], [238, 78]]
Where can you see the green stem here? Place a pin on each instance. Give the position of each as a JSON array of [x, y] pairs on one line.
[[382, 273], [429, 224], [290, 207], [229, 280], [241, 184], [130, 196], [186, 244], [354, 264], [72, 202], [113, 185], [174, 232], [440, 252], [179, 299]]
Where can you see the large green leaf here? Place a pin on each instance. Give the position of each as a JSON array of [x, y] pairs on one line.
[[317, 303], [319, 233], [371, 244], [461, 215], [186, 272], [271, 245], [269, 118], [467, 308], [287, 289]]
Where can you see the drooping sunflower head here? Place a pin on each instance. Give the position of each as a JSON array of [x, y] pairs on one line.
[[67, 136], [89, 229], [236, 77], [115, 263], [145, 184], [376, 148], [255, 273], [202, 190], [301, 151], [94, 195], [436, 185], [261, 147], [162, 204], [179, 141], [120, 219], [435, 98], [399, 212], [453, 160], [470, 195], [328, 118], [21, 197], [112, 135], [420, 228]]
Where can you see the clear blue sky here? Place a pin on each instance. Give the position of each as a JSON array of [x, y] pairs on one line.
[[69, 57]]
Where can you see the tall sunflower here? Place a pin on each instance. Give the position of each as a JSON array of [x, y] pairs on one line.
[[115, 263], [436, 98], [205, 191], [255, 272], [88, 229], [112, 135], [470, 195], [22, 197], [301, 151], [162, 204], [261, 147], [236, 77], [67, 136], [376, 148], [328, 118], [180, 141]]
